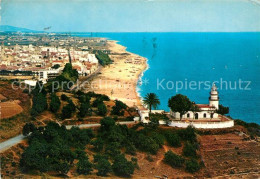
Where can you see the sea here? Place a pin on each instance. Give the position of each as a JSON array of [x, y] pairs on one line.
[[189, 63]]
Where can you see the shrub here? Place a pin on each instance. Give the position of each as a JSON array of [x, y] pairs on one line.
[[119, 108], [107, 123], [64, 97], [98, 144], [55, 103], [84, 166], [192, 166], [84, 110], [173, 139], [189, 150], [146, 143], [149, 158], [130, 149], [28, 127], [103, 167], [122, 167], [158, 138], [98, 157], [102, 109], [97, 102], [39, 104], [173, 159], [188, 134]]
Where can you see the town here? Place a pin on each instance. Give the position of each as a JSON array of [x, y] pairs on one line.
[[42, 57]]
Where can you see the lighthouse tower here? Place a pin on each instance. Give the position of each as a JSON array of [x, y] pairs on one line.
[[214, 99]]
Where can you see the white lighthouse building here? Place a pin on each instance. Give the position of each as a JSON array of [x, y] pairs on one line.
[[214, 99], [206, 111]]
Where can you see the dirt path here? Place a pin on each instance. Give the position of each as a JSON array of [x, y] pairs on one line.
[[165, 148]]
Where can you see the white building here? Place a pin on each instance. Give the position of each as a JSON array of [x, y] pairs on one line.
[[206, 111]]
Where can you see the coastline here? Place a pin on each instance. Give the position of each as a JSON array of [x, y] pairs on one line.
[[119, 80]]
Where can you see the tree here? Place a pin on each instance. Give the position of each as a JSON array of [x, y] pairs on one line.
[[194, 109], [69, 73], [151, 100], [172, 159], [84, 109], [173, 139], [179, 103], [192, 166], [104, 167], [55, 103], [68, 110], [119, 108], [98, 143], [84, 166], [27, 128], [122, 167], [64, 97], [188, 134], [107, 123], [189, 150], [223, 110], [39, 104], [102, 109]]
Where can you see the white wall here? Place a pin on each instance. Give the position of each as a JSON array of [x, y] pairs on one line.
[[176, 115], [203, 125]]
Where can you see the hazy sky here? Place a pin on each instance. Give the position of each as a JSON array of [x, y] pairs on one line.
[[133, 15]]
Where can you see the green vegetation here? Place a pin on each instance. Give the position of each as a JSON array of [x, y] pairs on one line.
[[189, 150], [223, 110], [55, 103], [180, 103], [102, 109], [252, 128], [64, 97], [192, 166], [69, 73], [119, 108], [56, 66], [103, 166], [173, 159], [122, 167], [65, 80], [68, 110], [51, 149], [84, 166], [39, 100], [152, 101], [103, 58], [85, 110], [28, 127], [173, 139]]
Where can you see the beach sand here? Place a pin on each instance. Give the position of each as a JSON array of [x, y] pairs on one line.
[[119, 80]]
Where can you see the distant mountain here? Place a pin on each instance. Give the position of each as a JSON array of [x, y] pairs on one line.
[[8, 28]]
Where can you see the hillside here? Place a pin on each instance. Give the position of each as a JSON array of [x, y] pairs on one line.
[[8, 28]]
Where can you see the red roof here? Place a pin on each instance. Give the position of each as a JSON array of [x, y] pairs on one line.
[[203, 106]]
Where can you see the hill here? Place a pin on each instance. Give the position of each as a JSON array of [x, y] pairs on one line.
[[8, 28]]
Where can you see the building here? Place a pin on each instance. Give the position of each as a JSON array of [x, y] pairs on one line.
[[206, 111], [45, 75]]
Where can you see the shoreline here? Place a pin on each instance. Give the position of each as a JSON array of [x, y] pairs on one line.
[[119, 80]]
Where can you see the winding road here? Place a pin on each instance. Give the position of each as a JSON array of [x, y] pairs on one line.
[[18, 139]]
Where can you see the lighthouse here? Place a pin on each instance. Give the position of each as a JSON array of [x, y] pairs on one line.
[[214, 99]]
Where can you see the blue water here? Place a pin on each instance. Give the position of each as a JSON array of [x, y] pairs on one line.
[[200, 57]]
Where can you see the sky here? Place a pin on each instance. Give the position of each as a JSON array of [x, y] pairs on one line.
[[133, 15]]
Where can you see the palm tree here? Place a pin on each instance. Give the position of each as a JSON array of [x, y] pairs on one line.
[[151, 100]]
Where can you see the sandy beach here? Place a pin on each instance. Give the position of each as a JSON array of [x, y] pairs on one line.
[[119, 80]]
